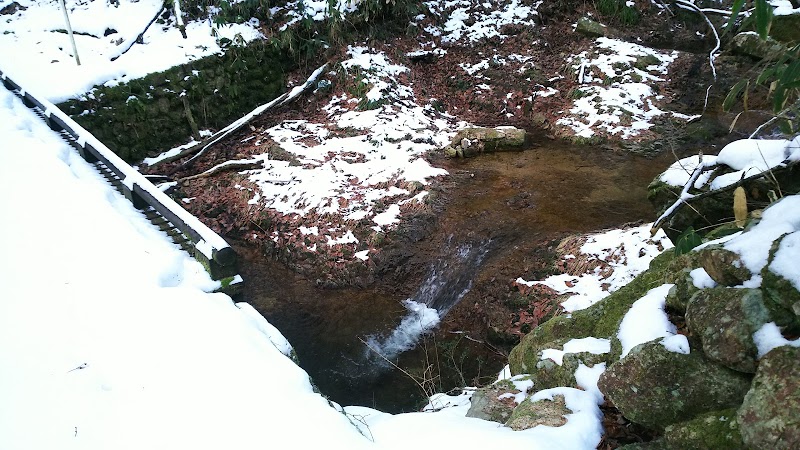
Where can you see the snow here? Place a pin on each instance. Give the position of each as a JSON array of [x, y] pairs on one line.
[[646, 320], [448, 428], [769, 337], [677, 343], [751, 156], [627, 105], [587, 377], [485, 18], [679, 172], [110, 336], [88, 282], [590, 344], [339, 182], [753, 246], [627, 253], [701, 279], [30, 39]]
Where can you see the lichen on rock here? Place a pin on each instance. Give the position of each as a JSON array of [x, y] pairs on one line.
[[654, 387], [725, 320], [475, 140], [540, 412], [769, 417]]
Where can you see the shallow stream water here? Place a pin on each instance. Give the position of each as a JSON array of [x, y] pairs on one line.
[[498, 209]]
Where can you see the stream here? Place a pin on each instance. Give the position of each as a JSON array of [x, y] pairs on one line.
[[383, 345]]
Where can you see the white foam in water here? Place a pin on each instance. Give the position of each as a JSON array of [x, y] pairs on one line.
[[419, 320]]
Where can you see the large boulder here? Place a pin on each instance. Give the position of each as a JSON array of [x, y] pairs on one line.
[[781, 295], [750, 44], [725, 320], [711, 431], [785, 28], [655, 387], [769, 417], [475, 140], [545, 412]]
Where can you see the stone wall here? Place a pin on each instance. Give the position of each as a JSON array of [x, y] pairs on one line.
[[146, 116]]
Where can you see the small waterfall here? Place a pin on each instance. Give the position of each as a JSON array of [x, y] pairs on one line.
[[448, 281]]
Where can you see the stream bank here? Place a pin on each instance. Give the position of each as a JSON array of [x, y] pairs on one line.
[[523, 202]]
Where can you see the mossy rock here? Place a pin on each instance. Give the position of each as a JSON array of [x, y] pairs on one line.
[[657, 444], [750, 44], [711, 431], [769, 417], [475, 140], [656, 388], [600, 320], [781, 295], [590, 28], [725, 320], [146, 116], [486, 403], [549, 374], [545, 412], [643, 62], [683, 290], [785, 28]]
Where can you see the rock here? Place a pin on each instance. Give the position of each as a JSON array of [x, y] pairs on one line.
[[545, 412], [658, 444], [654, 387], [723, 266], [683, 289], [750, 44], [770, 414], [486, 403], [548, 374], [475, 140], [590, 28], [725, 320], [781, 296], [600, 320], [710, 431], [785, 28]]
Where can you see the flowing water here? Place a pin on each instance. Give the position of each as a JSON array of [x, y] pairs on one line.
[[374, 346], [447, 282]]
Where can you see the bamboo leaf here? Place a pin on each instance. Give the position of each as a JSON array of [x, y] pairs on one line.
[[766, 74], [688, 240], [778, 99], [733, 95], [740, 207], [763, 18], [733, 123], [737, 7]]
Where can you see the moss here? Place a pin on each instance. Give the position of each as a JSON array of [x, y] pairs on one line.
[[147, 115], [781, 296], [714, 430], [599, 320]]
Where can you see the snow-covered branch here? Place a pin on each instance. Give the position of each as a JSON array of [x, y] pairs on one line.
[[282, 100]]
